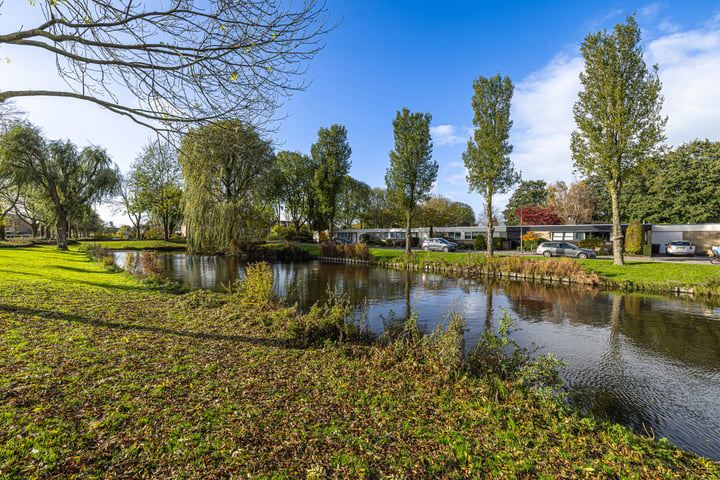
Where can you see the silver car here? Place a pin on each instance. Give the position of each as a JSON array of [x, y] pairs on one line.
[[564, 249], [680, 247], [439, 244]]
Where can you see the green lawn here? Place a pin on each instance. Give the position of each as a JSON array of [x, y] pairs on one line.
[[102, 377], [141, 244]]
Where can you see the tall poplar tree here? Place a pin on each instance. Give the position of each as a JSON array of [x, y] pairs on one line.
[[617, 114], [331, 156], [487, 158], [412, 171]]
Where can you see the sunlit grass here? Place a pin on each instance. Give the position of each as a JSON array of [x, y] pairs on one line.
[[103, 378], [141, 244]]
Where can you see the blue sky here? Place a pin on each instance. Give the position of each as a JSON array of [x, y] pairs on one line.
[[386, 55]]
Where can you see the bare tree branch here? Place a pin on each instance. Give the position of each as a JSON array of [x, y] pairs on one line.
[[188, 62]]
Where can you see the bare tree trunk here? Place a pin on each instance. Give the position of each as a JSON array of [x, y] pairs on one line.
[[408, 240], [490, 227], [618, 237]]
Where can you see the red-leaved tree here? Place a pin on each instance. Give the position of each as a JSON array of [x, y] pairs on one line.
[[538, 216]]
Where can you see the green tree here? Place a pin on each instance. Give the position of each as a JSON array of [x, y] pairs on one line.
[[155, 179], [684, 187], [441, 211], [352, 200], [529, 193], [295, 176], [186, 62], [331, 156], [227, 167], [9, 196], [131, 203], [412, 171], [379, 211], [635, 237], [487, 158], [617, 114], [69, 179]]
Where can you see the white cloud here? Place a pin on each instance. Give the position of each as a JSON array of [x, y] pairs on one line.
[[689, 66], [542, 116], [447, 135]]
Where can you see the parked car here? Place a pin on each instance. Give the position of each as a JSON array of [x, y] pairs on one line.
[[439, 244], [680, 247], [341, 241], [560, 249]]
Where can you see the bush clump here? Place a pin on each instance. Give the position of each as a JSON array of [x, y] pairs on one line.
[[480, 243], [634, 237]]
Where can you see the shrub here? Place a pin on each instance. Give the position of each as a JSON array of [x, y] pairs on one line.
[[155, 233], [592, 243], [497, 243], [498, 355], [634, 237], [480, 243], [335, 320], [255, 290]]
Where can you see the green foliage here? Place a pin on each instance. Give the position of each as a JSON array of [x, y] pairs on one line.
[[480, 243], [634, 237], [295, 190], [412, 172], [592, 243], [154, 183], [487, 157], [68, 179], [497, 354], [331, 159], [618, 114], [228, 170], [530, 193], [334, 321], [352, 200], [683, 187], [255, 290]]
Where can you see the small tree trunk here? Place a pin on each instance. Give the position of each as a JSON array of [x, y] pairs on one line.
[[616, 229], [490, 228], [407, 236]]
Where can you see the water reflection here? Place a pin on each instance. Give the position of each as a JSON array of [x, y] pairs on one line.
[[650, 363]]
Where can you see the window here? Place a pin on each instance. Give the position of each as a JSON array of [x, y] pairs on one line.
[[562, 236], [453, 235], [471, 235], [383, 235]]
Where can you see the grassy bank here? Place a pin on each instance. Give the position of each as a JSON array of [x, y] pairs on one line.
[[160, 245], [102, 377], [652, 277]]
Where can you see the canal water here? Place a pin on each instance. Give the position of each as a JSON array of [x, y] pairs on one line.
[[649, 363]]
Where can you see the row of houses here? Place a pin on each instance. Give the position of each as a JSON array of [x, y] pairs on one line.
[[703, 236]]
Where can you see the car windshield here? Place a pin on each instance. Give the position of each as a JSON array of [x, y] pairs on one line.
[[570, 245], [444, 241]]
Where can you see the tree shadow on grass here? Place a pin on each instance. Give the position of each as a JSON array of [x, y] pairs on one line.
[[49, 314]]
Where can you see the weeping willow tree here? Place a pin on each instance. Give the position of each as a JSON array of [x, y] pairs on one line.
[[228, 171]]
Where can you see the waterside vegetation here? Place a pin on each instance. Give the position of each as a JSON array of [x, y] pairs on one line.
[[104, 375]]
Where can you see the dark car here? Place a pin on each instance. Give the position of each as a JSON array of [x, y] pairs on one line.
[[564, 249], [438, 244]]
